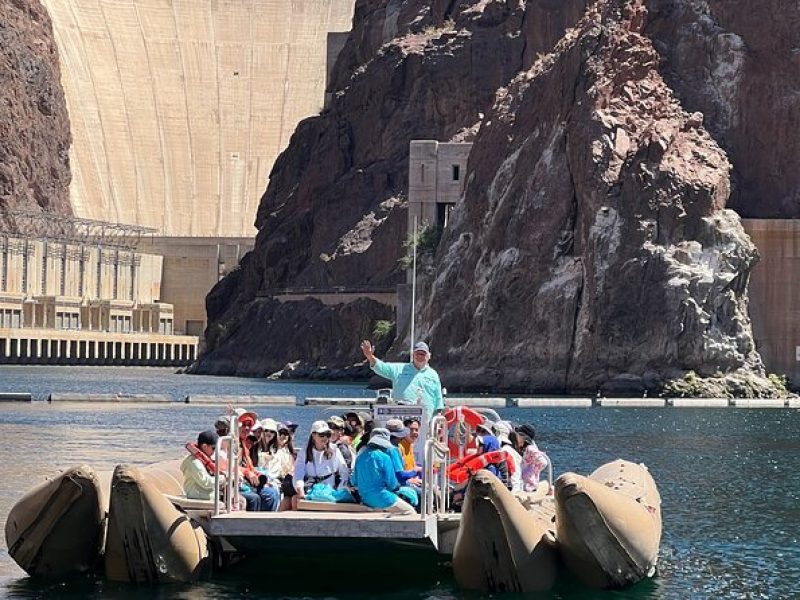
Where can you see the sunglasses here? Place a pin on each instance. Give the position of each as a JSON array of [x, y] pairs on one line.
[[325, 434]]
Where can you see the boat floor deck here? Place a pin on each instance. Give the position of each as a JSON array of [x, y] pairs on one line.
[[324, 524]]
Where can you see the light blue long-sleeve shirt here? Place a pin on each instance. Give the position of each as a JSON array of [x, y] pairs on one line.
[[374, 477], [413, 385]]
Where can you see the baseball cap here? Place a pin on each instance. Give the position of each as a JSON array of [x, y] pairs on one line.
[[207, 437], [335, 421], [269, 425], [291, 426], [320, 427], [501, 431], [421, 346]]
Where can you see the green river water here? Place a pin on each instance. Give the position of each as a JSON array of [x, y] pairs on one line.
[[729, 481]]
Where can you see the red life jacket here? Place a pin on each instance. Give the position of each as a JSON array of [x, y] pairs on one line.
[[461, 470], [206, 460]]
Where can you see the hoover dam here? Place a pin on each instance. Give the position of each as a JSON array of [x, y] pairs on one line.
[[178, 108]]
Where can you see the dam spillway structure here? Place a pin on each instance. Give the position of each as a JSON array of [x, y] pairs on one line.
[[178, 108]]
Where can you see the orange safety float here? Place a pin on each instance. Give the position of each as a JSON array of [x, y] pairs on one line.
[[460, 471], [461, 422]]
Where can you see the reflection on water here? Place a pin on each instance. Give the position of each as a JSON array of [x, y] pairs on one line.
[[729, 481]]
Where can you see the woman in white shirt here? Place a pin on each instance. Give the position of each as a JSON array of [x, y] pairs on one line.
[[319, 462]]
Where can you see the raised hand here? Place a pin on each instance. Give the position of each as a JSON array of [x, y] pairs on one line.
[[368, 349]]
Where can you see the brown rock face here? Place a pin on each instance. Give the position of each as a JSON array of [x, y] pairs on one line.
[[737, 63], [334, 212], [34, 126], [592, 248]]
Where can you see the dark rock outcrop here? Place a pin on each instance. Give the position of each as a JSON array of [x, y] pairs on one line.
[[34, 126], [324, 339], [737, 62], [593, 248]]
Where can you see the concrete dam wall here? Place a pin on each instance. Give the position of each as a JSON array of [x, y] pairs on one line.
[[178, 108]]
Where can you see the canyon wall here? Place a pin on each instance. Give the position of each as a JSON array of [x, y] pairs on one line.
[[594, 247], [34, 127]]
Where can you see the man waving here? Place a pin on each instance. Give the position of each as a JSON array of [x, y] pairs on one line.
[[412, 383]]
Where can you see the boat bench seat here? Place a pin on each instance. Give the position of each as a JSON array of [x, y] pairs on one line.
[[339, 507], [191, 503]]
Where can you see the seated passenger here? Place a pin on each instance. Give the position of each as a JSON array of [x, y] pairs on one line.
[[338, 439], [397, 432], [410, 449], [374, 476], [222, 425], [198, 473], [534, 461], [504, 435], [255, 488], [356, 425], [488, 444], [319, 462], [266, 442], [281, 467]]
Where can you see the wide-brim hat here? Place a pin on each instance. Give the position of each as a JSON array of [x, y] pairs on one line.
[[397, 429], [380, 438], [248, 415]]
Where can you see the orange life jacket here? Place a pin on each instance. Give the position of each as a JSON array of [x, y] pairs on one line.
[[463, 469], [206, 460]]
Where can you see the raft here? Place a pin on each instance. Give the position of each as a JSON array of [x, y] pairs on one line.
[[500, 546], [149, 540], [56, 529], [609, 524]]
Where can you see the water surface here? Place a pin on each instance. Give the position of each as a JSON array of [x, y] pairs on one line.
[[729, 480]]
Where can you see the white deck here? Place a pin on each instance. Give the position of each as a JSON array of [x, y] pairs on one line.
[[324, 524]]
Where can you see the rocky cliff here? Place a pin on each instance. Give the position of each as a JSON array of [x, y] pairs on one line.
[[334, 211], [593, 247], [34, 126], [737, 62]]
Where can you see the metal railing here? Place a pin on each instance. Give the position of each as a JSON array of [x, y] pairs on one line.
[[232, 468], [435, 497]]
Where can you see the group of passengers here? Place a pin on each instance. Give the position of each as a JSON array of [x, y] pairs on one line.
[[345, 458], [525, 462]]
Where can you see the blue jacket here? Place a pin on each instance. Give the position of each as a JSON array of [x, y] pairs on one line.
[[375, 479], [397, 464], [490, 444]]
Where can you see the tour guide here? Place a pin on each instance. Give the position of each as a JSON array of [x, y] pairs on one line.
[[414, 382]]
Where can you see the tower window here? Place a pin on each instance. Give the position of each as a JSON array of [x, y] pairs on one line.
[[456, 172]]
